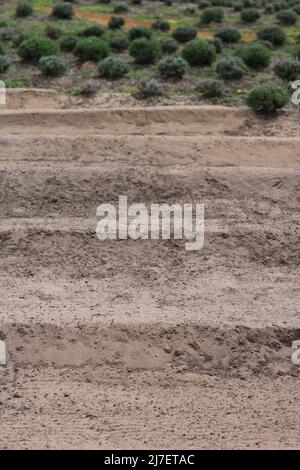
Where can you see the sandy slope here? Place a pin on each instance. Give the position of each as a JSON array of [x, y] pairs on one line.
[[138, 343]]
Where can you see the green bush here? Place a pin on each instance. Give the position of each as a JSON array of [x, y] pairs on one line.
[[7, 34], [52, 66], [161, 25], [287, 17], [288, 69], [52, 32], [255, 55], [116, 22], [149, 87], [273, 34], [237, 6], [68, 43], [269, 9], [91, 48], [119, 43], [296, 9], [199, 52], [139, 32], [250, 15], [217, 43], [112, 68], [211, 14], [267, 98], [63, 11], [228, 34], [1, 50], [296, 53], [189, 11], [145, 51], [121, 8], [231, 68], [4, 63], [203, 4], [19, 39], [169, 46], [211, 88], [94, 30], [35, 47], [172, 67], [185, 33], [23, 9], [87, 89]]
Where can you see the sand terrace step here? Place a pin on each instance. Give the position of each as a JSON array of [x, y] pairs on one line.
[[170, 120], [158, 150]]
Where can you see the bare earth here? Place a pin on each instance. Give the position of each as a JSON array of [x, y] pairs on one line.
[[140, 344]]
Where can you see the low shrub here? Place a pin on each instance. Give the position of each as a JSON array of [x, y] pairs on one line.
[[112, 68], [273, 34], [172, 67], [52, 66], [237, 6], [287, 17], [217, 43], [199, 52], [7, 34], [139, 32], [91, 48], [52, 32], [184, 33], [149, 87], [23, 10], [19, 39], [267, 98], [203, 4], [211, 14], [94, 30], [231, 68], [35, 47], [228, 35], [161, 25], [255, 55], [63, 11], [145, 51], [4, 63], [68, 43], [250, 15], [211, 88], [296, 9], [296, 53], [288, 69], [169, 46], [116, 22], [121, 8], [119, 43]]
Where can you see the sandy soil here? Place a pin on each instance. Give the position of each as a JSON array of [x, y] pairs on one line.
[[140, 344]]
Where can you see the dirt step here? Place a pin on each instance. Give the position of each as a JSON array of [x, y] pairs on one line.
[[153, 120], [152, 346], [36, 190], [152, 409], [70, 246], [157, 150]]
